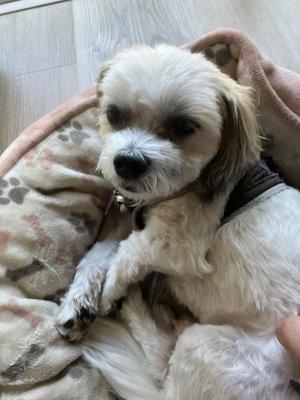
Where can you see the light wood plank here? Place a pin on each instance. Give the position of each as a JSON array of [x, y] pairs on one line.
[[7, 25], [9, 6], [273, 25], [31, 96], [44, 38], [7, 32], [103, 27], [31, 41]]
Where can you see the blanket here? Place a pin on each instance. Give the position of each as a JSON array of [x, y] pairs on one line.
[[52, 205]]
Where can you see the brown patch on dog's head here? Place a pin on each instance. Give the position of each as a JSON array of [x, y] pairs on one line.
[[239, 146], [103, 71]]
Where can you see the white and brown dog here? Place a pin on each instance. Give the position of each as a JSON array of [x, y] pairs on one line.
[[177, 137]]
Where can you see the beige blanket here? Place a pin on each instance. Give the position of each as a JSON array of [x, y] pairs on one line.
[[52, 205]]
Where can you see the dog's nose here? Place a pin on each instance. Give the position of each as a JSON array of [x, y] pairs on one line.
[[131, 166]]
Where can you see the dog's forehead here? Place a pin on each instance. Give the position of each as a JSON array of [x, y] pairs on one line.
[[159, 76]]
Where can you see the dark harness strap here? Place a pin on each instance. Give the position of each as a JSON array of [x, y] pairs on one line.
[[257, 180], [295, 385]]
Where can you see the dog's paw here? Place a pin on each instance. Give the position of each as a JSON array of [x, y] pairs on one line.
[[73, 320]]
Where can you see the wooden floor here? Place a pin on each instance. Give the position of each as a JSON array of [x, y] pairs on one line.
[[48, 53]]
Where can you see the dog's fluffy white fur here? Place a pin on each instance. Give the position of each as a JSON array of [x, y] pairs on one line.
[[240, 279]]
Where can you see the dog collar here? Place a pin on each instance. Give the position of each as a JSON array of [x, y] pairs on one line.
[[137, 219], [258, 184]]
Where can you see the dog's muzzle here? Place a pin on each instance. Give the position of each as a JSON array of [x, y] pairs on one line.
[[131, 165]]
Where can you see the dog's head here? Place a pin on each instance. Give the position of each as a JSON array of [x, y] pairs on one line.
[[169, 116]]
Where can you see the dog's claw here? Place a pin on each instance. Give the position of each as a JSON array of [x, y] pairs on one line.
[[86, 316], [65, 337], [69, 324], [73, 322]]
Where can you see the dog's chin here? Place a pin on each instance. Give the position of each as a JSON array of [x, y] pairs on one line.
[[138, 191]]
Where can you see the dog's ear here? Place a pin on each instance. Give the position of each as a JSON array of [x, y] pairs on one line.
[[103, 71], [239, 144]]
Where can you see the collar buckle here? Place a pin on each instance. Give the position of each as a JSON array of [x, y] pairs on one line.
[[122, 203]]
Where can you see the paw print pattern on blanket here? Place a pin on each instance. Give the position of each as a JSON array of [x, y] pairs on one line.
[[23, 362], [34, 266], [219, 53], [72, 131], [39, 251], [82, 222], [224, 56], [11, 190]]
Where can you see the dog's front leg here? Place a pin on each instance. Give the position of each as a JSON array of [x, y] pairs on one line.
[[136, 258], [81, 302]]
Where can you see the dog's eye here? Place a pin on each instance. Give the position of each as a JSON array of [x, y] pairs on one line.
[[184, 126], [181, 126], [114, 115]]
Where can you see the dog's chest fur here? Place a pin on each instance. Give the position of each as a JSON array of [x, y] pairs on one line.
[[245, 272]]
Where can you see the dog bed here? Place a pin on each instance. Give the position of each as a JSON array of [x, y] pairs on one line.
[[52, 205]]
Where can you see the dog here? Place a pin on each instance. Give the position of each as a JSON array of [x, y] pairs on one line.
[[178, 136]]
